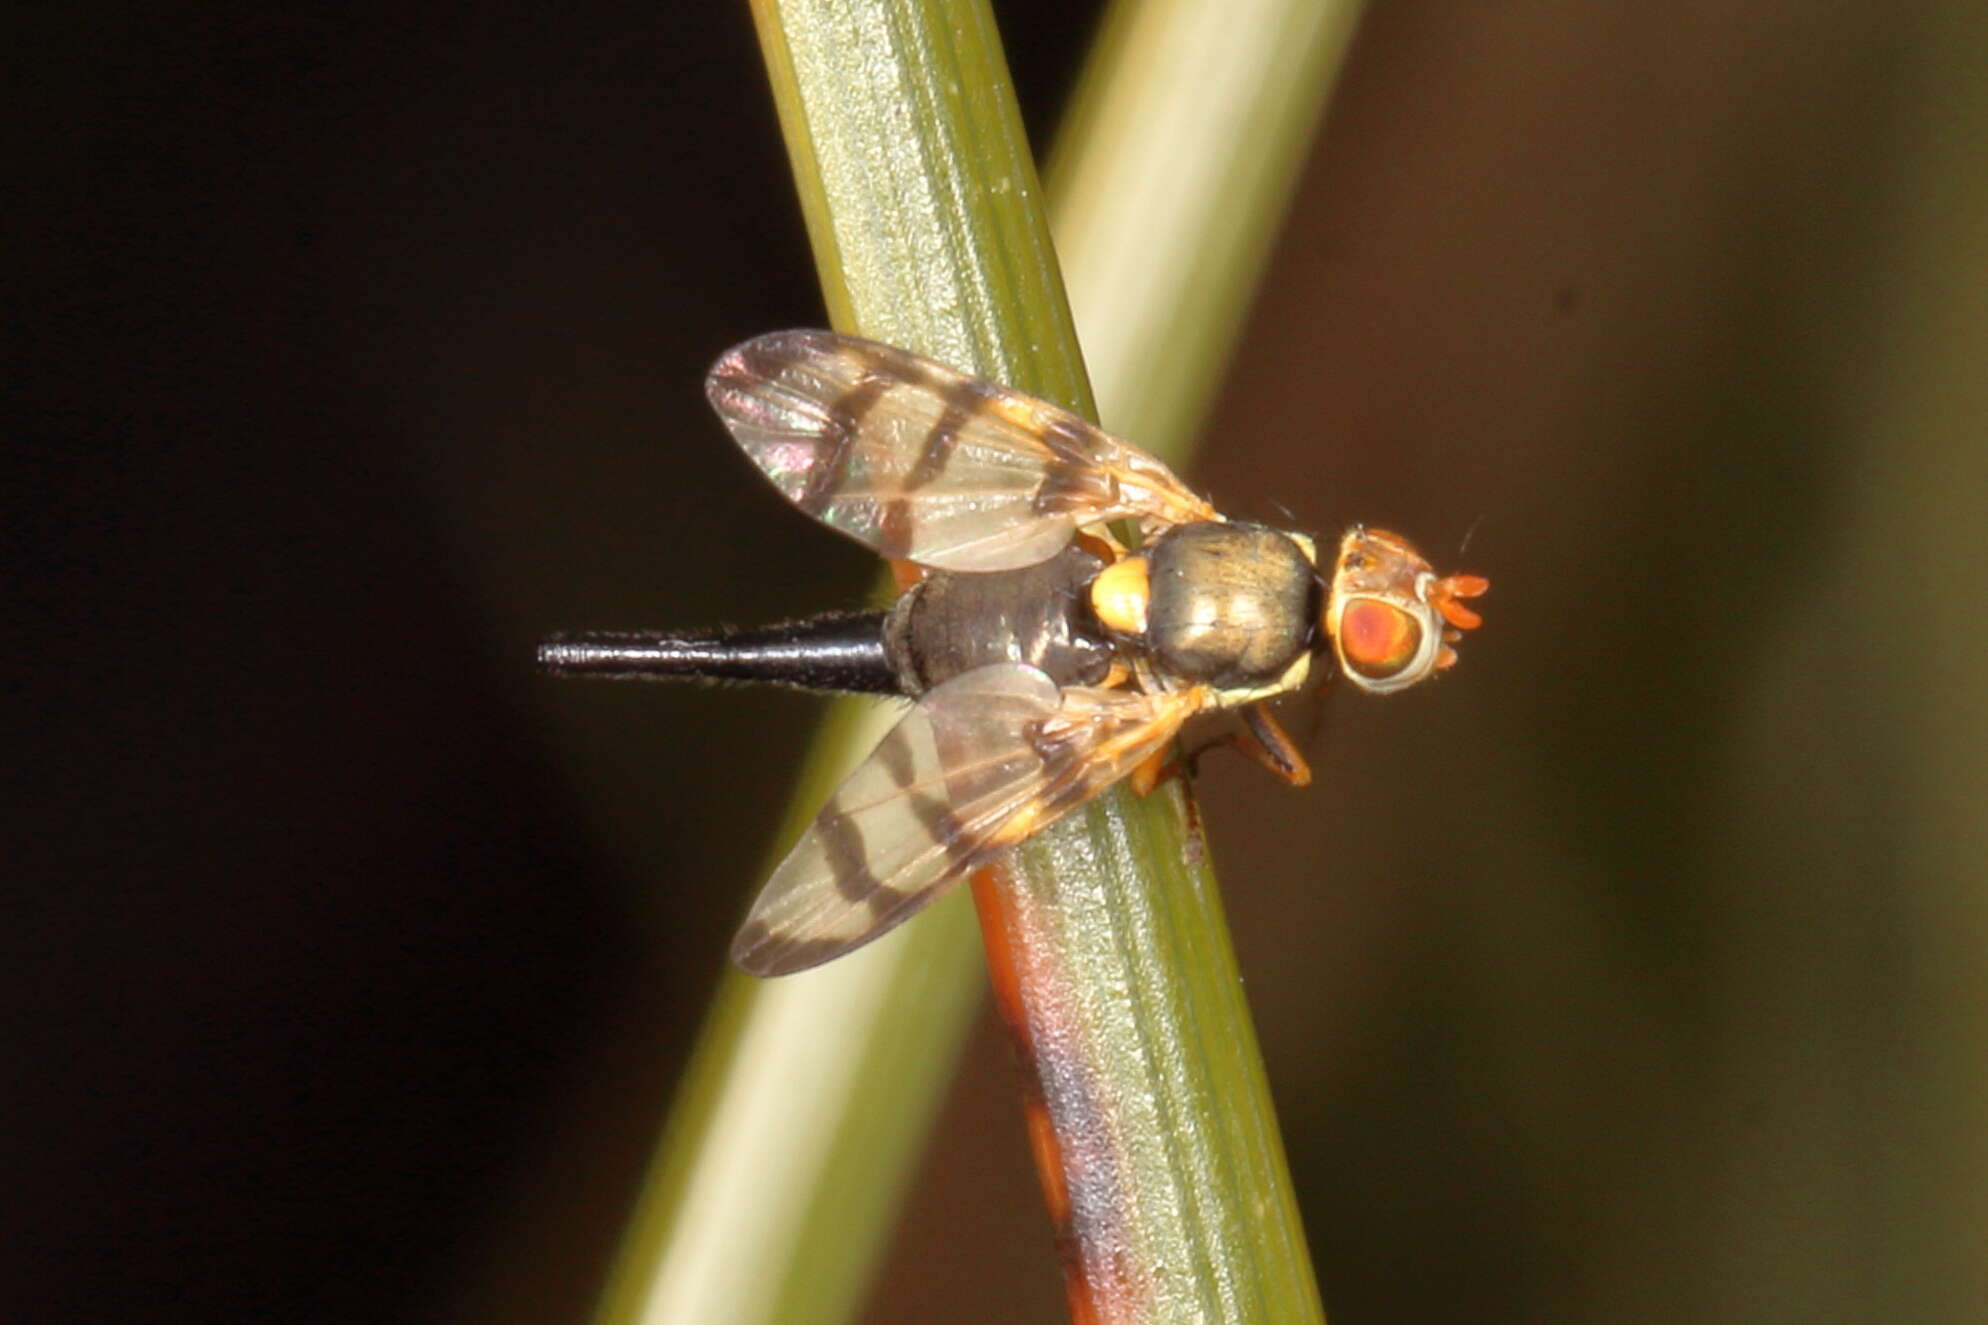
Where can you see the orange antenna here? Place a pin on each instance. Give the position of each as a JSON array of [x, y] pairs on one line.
[[1449, 589]]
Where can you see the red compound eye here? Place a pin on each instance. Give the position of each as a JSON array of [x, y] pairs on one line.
[[1378, 640]]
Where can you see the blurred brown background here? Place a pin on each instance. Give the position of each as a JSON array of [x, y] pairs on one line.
[[1630, 974]]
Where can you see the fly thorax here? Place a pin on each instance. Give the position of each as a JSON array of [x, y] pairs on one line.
[[1230, 605]]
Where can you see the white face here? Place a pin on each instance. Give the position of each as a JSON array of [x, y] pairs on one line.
[[1390, 619]]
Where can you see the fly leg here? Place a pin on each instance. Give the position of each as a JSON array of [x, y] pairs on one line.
[[1160, 766], [1270, 745], [1264, 741]]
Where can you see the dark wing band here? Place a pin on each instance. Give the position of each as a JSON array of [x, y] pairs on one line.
[[925, 463], [983, 761]]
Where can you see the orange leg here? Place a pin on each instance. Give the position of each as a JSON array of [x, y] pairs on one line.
[[1265, 742], [1154, 769], [1270, 745]]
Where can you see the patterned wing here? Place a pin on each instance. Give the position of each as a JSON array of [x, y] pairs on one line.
[[925, 463], [983, 761]]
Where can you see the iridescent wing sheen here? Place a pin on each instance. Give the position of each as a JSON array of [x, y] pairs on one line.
[[981, 762], [925, 463]]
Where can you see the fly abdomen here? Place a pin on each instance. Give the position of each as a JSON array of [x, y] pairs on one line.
[[840, 652], [947, 625]]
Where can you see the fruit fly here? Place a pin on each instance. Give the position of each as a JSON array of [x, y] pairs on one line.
[[1045, 659]]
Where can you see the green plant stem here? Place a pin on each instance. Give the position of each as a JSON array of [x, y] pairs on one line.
[[808, 1096]]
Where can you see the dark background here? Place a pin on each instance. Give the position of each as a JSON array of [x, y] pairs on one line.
[[1629, 974]]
